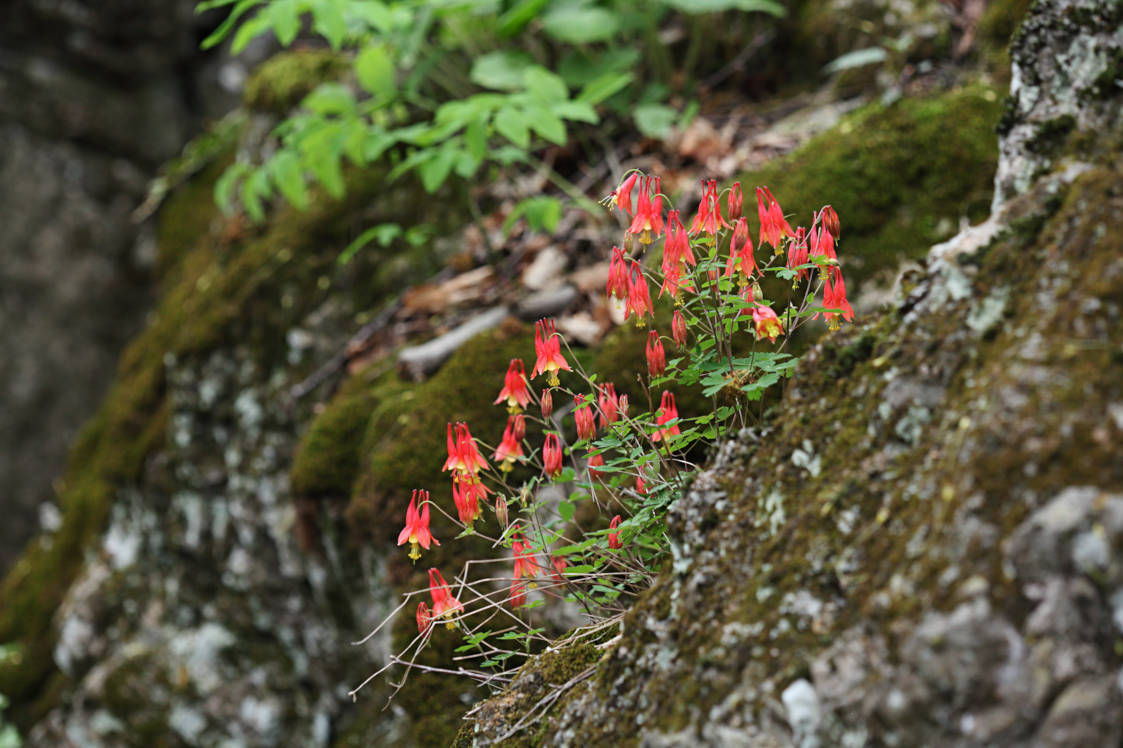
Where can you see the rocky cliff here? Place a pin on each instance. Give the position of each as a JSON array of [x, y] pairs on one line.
[[945, 567], [228, 514]]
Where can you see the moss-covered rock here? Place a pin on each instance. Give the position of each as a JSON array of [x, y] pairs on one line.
[[900, 178], [281, 82]]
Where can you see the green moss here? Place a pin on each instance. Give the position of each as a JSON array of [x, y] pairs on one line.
[[900, 178], [281, 82], [327, 460]]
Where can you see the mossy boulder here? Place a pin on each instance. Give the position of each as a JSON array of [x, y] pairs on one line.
[[282, 81]]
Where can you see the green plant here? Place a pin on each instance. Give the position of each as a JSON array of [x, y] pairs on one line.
[[445, 88], [554, 519]]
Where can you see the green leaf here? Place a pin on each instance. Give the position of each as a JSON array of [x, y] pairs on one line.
[[511, 124], [435, 170], [374, 15], [383, 232], [546, 123], [330, 98], [475, 139], [576, 110], [329, 21], [289, 178], [601, 88], [654, 120], [542, 213], [228, 23], [543, 84], [286, 20], [500, 70], [254, 188], [254, 27], [696, 7], [566, 510], [525, 11], [375, 70], [575, 24]]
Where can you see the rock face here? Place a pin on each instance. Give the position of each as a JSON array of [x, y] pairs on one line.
[[93, 97], [950, 572]]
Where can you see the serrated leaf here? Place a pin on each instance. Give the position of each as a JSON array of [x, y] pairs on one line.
[[511, 124], [576, 24], [375, 70], [566, 509], [500, 70]]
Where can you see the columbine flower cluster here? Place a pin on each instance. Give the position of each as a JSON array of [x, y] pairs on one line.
[[715, 276]]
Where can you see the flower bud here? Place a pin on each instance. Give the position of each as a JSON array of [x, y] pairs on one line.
[[547, 403], [501, 510], [830, 221]]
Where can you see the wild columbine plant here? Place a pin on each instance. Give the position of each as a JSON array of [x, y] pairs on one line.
[[728, 341]]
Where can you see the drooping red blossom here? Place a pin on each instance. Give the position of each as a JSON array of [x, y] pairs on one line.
[[559, 564], [594, 462], [547, 346], [641, 486], [514, 387], [741, 253], [510, 448], [830, 220], [773, 226], [518, 593], [656, 357], [467, 492], [444, 604], [623, 193], [416, 530], [667, 412], [608, 404], [708, 218], [526, 565], [648, 221], [834, 298], [546, 402], [614, 537], [822, 244], [463, 455], [678, 328], [672, 280], [551, 456], [639, 295], [736, 201], [768, 325], [586, 419], [677, 244], [424, 617], [617, 275], [798, 253]]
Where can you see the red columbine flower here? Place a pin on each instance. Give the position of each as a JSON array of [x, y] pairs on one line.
[[623, 194], [547, 344], [822, 244], [547, 403], [667, 412], [586, 420], [741, 258], [551, 456], [736, 201], [709, 211], [678, 329], [514, 387], [416, 530], [463, 455], [424, 618], [444, 604], [656, 358], [617, 275], [830, 221], [798, 254], [622, 405], [595, 461], [641, 486], [639, 296], [773, 226], [559, 565], [767, 323], [518, 593], [834, 298], [606, 401], [466, 494], [525, 563], [510, 448], [614, 537], [648, 220]]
